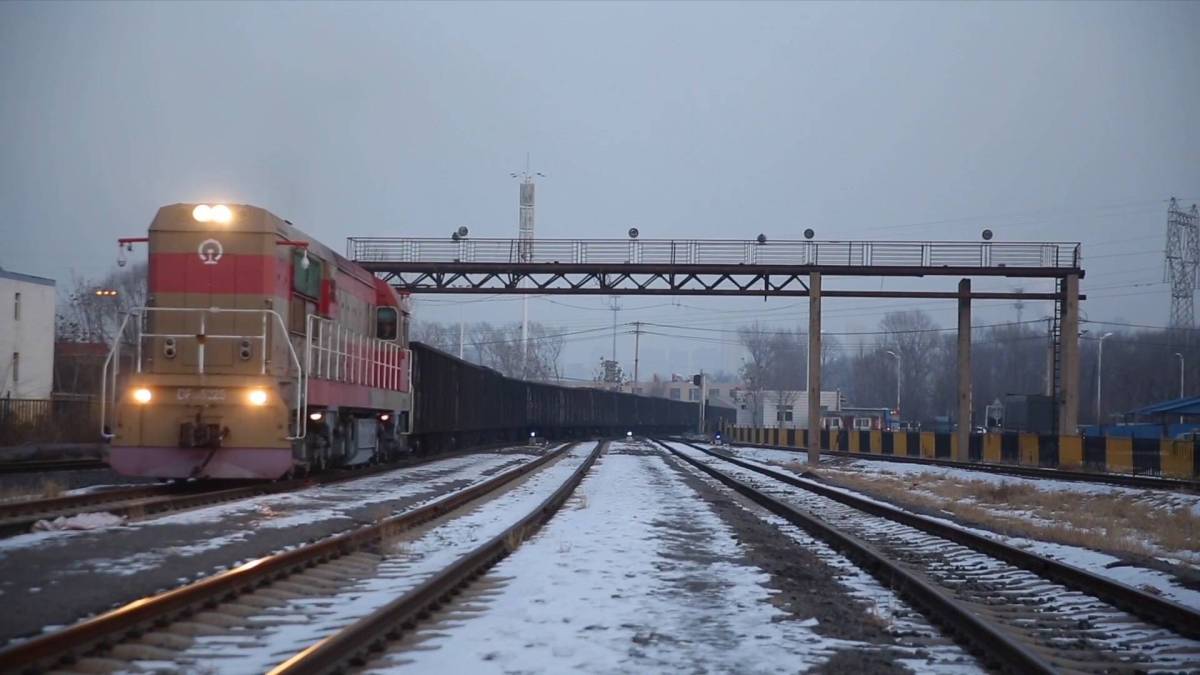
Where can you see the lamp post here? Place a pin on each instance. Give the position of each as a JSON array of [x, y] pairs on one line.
[[1099, 379], [897, 357], [1180, 356]]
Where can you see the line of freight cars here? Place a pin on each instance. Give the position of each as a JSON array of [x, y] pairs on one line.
[[460, 404]]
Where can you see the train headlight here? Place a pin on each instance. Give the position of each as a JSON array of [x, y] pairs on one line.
[[257, 397], [202, 213], [316, 417], [142, 395], [385, 417], [221, 214]]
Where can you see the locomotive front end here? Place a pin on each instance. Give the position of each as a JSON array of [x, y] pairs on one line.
[[227, 427], [211, 380]]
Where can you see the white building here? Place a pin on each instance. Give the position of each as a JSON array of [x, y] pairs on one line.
[[719, 393], [26, 335], [786, 409]]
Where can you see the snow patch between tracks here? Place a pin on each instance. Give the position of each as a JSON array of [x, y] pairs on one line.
[[635, 574]]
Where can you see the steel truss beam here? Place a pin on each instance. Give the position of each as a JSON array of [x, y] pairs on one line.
[[627, 282]]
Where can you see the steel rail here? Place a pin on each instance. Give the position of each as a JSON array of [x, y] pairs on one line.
[[1120, 479], [371, 631], [992, 642], [59, 505], [1171, 615], [136, 616], [19, 516]]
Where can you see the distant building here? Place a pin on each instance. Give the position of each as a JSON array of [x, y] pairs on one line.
[[26, 335], [781, 409], [722, 394]]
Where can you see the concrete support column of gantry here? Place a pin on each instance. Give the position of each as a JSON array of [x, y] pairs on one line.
[[963, 430], [1068, 414], [814, 368]]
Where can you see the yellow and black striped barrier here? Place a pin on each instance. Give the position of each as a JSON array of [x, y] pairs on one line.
[[1109, 454]]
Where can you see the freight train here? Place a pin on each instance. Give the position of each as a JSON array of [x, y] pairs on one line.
[[261, 353], [458, 403]]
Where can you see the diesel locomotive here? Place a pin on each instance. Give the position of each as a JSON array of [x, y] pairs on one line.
[[259, 353]]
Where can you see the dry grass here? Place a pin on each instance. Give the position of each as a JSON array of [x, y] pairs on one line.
[[1118, 524]]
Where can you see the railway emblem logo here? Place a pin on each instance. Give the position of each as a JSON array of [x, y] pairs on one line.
[[211, 251]]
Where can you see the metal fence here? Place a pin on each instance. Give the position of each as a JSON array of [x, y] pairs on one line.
[[1065, 255], [49, 420]]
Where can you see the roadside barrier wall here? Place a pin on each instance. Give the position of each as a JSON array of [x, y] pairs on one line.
[[1145, 456]]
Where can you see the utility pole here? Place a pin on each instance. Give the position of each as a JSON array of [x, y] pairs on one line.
[[1100, 379], [637, 348], [614, 303]]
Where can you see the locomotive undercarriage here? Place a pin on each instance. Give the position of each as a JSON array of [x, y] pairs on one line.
[[347, 437]]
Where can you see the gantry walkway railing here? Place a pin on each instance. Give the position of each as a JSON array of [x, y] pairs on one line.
[[657, 252]]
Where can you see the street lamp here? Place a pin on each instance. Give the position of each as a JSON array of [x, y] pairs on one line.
[[897, 357], [1099, 379], [1180, 380]]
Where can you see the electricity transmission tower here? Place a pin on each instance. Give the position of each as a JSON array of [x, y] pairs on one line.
[[1182, 259]]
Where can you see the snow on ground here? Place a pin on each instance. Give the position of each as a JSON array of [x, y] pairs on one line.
[[284, 510], [614, 584], [1098, 563], [299, 623]]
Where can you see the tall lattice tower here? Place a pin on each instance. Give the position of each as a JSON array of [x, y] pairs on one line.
[[525, 251], [1182, 261]]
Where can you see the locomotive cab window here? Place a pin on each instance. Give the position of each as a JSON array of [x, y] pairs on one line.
[[306, 278], [306, 290], [387, 323]]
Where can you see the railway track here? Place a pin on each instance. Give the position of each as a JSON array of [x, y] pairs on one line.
[[1121, 479], [19, 517], [1018, 611], [141, 631]]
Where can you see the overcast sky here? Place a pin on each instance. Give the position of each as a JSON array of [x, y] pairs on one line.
[[1071, 121]]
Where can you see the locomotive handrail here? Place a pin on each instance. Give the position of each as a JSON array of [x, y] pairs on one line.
[[113, 352], [201, 338], [333, 352]]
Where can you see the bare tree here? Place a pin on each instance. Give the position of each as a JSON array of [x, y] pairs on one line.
[[657, 387], [914, 336], [778, 363], [91, 310], [440, 335]]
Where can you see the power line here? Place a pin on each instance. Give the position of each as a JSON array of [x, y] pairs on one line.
[[848, 333]]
